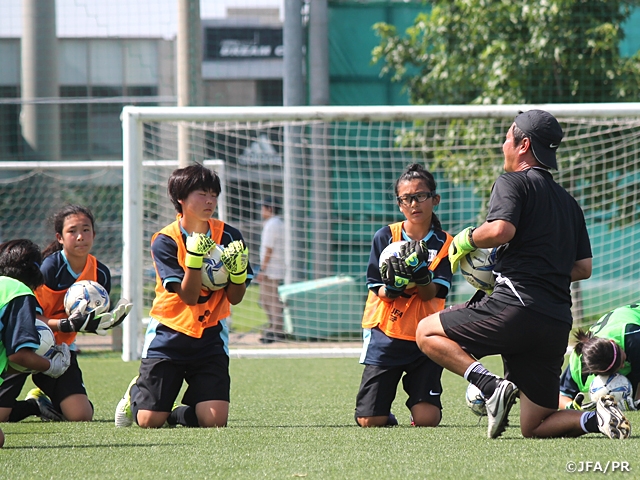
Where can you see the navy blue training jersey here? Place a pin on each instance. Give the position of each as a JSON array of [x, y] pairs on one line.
[[380, 349], [58, 275], [17, 324]]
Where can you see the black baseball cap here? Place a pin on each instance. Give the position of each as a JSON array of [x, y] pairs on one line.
[[545, 134]]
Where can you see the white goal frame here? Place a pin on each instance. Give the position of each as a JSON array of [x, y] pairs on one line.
[[132, 124]]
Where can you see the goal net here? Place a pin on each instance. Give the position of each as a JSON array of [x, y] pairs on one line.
[[333, 170]]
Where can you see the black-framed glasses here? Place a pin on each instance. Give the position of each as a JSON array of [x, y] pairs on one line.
[[419, 197]]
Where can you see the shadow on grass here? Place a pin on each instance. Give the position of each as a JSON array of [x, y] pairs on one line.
[[75, 446]]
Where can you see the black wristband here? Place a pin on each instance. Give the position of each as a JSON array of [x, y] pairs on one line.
[[65, 326], [470, 238]]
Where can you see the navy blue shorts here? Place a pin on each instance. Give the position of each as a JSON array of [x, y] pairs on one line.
[[379, 384], [532, 345], [57, 389], [161, 379]]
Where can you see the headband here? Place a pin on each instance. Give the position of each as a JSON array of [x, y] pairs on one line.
[[615, 355]]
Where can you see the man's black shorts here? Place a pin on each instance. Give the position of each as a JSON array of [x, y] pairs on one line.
[[532, 345]]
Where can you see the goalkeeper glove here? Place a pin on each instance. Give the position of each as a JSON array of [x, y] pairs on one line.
[[578, 403], [95, 323], [198, 245], [235, 258], [416, 256], [395, 275], [119, 313], [60, 361], [461, 245]]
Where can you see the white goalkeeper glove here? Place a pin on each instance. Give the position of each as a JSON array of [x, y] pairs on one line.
[[198, 245], [235, 258], [60, 361], [95, 323], [115, 317]]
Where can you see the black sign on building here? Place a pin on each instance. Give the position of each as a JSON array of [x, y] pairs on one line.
[[231, 43]]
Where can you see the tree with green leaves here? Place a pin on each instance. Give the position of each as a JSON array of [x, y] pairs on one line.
[[514, 52]]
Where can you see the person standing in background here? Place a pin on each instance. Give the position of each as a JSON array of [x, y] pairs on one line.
[[272, 269]]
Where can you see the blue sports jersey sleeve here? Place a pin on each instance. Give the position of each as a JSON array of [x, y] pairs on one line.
[[18, 324], [104, 276], [568, 387], [165, 258]]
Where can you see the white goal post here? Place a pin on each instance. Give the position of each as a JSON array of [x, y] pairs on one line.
[[334, 168]]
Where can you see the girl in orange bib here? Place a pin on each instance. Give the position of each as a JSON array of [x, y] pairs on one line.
[[401, 292]]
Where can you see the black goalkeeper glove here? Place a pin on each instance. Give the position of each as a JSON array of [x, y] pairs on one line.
[[416, 256], [396, 275]]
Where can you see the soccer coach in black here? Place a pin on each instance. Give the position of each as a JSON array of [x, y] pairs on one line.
[[543, 246]]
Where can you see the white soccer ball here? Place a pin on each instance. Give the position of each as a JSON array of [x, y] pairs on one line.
[[91, 294], [475, 401], [477, 268], [47, 342], [214, 274], [617, 385], [393, 249], [47, 339]]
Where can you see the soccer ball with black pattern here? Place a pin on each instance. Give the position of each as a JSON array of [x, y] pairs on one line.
[[477, 268], [214, 274], [47, 342], [617, 385], [91, 294]]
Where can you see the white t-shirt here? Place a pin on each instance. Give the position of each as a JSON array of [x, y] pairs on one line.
[[273, 237]]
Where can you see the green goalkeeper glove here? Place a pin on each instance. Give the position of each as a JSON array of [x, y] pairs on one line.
[[416, 256], [461, 245], [395, 274], [198, 245], [235, 258], [579, 403]]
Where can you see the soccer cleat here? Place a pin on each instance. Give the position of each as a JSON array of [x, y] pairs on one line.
[[611, 421], [123, 416], [47, 412], [498, 406]]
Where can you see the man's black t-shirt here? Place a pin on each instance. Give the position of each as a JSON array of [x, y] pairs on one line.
[[534, 268]]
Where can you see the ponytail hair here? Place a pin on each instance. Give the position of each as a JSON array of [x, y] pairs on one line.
[[415, 171], [599, 355], [58, 225]]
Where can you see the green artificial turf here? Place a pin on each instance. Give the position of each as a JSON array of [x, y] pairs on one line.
[[292, 418]]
